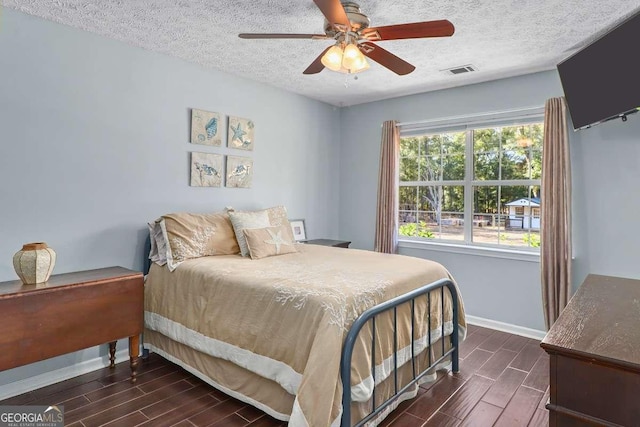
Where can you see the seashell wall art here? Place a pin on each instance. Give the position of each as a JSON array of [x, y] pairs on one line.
[[206, 128], [208, 169]]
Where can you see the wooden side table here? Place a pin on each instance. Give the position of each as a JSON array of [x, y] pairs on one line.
[[71, 312], [329, 242]]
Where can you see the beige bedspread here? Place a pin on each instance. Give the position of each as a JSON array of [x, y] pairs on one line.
[[285, 317]]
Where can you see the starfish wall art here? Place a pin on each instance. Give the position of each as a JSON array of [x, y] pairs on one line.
[[240, 133]]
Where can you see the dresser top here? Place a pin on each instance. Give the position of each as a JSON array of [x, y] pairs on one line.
[[16, 287], [602, 321]]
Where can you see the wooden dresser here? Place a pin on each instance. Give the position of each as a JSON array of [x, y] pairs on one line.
[[594, 350], [71, 312]]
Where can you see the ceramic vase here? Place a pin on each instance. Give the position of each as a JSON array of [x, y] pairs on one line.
[[34, 263]]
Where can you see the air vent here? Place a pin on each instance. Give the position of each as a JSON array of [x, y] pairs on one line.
[[461, 70]]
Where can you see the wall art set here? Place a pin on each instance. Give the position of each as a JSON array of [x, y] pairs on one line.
[[208, 169]]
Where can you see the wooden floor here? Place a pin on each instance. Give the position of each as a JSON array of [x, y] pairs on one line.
[[503, 381]]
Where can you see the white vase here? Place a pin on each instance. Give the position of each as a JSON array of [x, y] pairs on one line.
[[34, 263]]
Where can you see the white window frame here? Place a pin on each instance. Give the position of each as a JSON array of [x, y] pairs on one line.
[[466, 124]]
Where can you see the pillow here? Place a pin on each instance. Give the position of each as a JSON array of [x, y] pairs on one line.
[[242, 220], [269, 241], [158, 252], [277, 217], [196, 235]]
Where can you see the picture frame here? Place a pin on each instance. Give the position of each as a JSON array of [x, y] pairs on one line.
[[206, 170], [240, 134], [299, 230], [206, 127], [239, 172]]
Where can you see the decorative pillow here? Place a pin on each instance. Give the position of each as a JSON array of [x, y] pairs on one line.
[[197, 235], [277, 217], [269, 241], [242, 220]]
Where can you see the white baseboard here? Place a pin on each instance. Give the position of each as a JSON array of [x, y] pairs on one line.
[[32, 383], [506, 327]]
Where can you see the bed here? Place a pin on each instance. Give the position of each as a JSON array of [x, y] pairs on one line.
[[288, 333]]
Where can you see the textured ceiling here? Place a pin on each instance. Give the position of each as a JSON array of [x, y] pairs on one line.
[[500, 37]]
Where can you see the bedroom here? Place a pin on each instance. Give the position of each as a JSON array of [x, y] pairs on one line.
[[105, 126]]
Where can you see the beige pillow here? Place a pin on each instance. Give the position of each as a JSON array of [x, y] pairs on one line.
[[277, 217], [196, 235], [269, 241], [242, 220]]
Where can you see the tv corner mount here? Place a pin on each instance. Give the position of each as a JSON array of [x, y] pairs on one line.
[[624, 115]]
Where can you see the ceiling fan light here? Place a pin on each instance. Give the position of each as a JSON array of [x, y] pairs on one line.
[[361, 66], [333, 58], [352, 57]]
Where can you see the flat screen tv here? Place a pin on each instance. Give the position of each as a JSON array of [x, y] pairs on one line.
[[602, 81]]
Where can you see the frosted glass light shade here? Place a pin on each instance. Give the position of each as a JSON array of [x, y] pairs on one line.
[[353, 60], [360, 65], [351, 57], [333, 58]]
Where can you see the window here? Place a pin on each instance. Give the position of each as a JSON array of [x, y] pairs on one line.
[[477, 186]]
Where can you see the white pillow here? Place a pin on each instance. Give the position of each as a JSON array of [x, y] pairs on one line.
[[242, 220]]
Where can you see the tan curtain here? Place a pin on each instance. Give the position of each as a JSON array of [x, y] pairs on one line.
[[387, 216], [555, 239]]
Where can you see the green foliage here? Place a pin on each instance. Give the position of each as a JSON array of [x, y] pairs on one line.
[[429, 164], [416, 230], [532, 240]]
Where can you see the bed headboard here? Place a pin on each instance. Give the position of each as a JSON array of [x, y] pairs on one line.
[[146, 262]]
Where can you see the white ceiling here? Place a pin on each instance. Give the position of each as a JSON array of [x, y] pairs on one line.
[[500, 37]]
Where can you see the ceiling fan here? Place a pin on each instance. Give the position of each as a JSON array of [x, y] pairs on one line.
[[349, 27]]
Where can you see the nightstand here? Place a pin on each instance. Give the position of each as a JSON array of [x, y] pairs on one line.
[[329, 242], [71, 312]]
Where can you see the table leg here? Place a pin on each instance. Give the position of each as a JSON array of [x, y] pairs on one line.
[[134, 353], [112, 354]]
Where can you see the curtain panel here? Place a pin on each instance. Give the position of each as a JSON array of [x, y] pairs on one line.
[[555, 238], [386, 239]]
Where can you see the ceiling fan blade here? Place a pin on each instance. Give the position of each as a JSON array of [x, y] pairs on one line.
[[386, 58], [316, 66], [282, 36], [334, 12], [416, 30]]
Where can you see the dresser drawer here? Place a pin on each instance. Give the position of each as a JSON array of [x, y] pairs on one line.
[[596, 390]]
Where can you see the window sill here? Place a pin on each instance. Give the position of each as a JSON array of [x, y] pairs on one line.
[[471, 250]]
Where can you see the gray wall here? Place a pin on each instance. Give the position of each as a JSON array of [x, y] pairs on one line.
[[606, 169], [606, 175], [94, 143]]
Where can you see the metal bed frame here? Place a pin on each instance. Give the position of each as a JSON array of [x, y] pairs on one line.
[[370, 315]]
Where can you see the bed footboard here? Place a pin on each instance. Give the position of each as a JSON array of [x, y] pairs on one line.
[[370, 315]]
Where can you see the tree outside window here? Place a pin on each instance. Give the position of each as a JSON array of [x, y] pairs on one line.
[[478, 186]]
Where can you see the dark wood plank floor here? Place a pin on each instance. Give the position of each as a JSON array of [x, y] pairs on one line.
[[503, 381]]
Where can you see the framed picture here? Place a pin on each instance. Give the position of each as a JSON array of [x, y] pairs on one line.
[[206, 170], [240, 134], [206, 128], [299, 231], [239, 172]]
